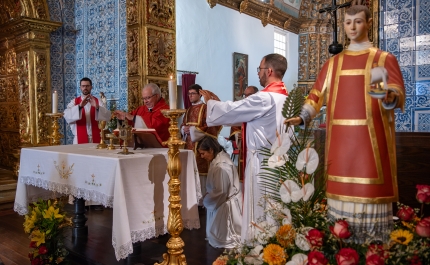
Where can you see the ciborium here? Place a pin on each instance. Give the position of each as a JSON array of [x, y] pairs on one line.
[[102, 144], [175, 225], [125, 136]]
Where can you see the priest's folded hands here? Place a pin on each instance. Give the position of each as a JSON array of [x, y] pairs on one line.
[[208, 95]]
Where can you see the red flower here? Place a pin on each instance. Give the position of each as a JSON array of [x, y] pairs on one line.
[[30, 255], [43, 250], [423, 227], [36, 261], [316, 258], [415, 261], [315, 238], [375, 260], [341, 229], [347, 256], [423, 194], [406, 213], [33, 244], [376, 249]]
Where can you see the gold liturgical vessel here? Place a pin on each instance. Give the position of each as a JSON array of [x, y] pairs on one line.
[[175, 225], [125, 136], [55, 137], [102, 144]]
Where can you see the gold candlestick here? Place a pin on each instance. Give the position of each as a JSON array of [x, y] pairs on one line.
[[55, 137], [102, 145], [174, 222]]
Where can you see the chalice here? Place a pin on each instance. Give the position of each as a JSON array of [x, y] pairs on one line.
[[111, 137], [102, 145]]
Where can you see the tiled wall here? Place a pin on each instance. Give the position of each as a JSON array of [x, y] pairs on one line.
[[91, 43], [405, 32]]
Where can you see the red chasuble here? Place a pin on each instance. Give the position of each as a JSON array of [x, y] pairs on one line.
[[196, 116], [154, 119], [360, 145], [81, 125]]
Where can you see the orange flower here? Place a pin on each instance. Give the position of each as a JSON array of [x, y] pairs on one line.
[[221, 260], [274, 255], [286, 235]]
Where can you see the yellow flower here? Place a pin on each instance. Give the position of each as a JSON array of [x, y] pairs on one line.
[[410, 226], [401, 236], [274, 255], [286, 235], [28, 224], [52, 213], [37, 236]]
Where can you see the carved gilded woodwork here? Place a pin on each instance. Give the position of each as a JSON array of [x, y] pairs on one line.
[[151, 46], [25, 80]]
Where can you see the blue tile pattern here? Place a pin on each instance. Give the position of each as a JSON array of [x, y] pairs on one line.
[[91, 42], [405, 32]]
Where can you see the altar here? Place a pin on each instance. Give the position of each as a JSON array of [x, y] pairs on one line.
[[135, 186]]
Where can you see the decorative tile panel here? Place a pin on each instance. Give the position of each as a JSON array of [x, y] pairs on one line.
[[422, 120]]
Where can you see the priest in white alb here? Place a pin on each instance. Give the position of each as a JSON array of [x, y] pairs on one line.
[[262, 113]]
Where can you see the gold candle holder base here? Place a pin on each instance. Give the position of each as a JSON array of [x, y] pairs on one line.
[[56, 136], [125, 151], [102, 144], [175, 225]]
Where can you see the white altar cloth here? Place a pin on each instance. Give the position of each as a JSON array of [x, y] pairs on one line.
[[134, 185]]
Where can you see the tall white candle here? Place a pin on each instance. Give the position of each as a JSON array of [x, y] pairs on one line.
[[172, 93], [54, 102]]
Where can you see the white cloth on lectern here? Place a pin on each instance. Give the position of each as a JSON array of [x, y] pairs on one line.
[[263, 114], [73, 114]]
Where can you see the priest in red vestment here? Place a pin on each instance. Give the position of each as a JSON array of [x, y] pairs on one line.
[[194, 128], [360, 153], [150, 112]]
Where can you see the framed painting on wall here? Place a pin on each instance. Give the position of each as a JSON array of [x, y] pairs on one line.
[[240, 75]]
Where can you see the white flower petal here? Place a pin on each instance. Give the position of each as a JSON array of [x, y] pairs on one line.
[[276, 161], [296, 195], [286, 189], [308, 191], [302, 242], [312, 162]]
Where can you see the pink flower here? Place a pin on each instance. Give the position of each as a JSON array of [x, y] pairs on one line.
[[406, 213], [375, 260], [423, 194], [341, 229], [423, 227], [43, 250], [315, 238], [347, 256], [316, 258]]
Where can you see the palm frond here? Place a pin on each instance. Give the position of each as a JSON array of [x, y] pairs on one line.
[[293, 104]]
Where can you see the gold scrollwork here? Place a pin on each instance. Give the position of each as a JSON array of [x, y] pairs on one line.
[[133, 51], [134, 97], [161, 52], [161, 13], [243, 6]]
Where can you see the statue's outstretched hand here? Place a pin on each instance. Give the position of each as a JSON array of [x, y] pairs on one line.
[[293, 121]]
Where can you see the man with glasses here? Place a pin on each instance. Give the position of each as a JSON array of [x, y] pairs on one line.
[[150, 113], [262, 113], [84, 112], [194, 128]]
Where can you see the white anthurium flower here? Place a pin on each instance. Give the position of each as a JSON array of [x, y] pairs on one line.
[[277, 161], [308, 158], [290, 191], [298, 259], [255, 256], [281, 145], [288, 219], [302, 242], [308, 190]]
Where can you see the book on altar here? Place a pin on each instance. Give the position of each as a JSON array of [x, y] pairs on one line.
[[146, 138]]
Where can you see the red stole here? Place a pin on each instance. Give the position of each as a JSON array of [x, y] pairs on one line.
[[275, 87], [81, 125]]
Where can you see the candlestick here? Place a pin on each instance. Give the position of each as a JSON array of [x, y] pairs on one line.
[[54, 102], [172, 93]]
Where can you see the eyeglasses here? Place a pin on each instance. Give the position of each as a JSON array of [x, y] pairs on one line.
[[192, 93], [85, 85], [148, 98], [259, 69]]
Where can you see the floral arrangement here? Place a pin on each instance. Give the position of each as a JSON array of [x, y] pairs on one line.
[[297, 231], [45, 224]]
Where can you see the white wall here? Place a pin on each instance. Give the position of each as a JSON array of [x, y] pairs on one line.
[[207, 38]]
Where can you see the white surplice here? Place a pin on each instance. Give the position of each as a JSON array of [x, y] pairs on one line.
[[263, 114], [223, 202], [73, 114]]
